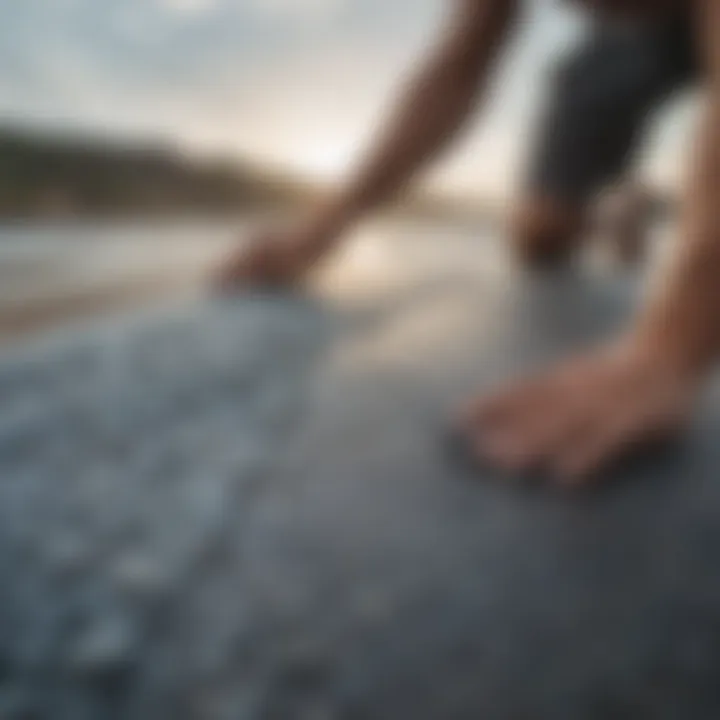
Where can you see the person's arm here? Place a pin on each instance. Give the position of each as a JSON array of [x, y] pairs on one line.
[[432, 110], [434, 107], [683, 321], [575, 419]]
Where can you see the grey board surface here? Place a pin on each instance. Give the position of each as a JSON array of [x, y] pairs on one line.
[[243, 509]]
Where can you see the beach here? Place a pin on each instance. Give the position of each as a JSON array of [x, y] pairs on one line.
[[52, 275], [57, 275]]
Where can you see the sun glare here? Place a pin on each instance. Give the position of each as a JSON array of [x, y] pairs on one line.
[[326, 158]]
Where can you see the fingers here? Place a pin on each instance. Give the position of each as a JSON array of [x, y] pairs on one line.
[[500, 408], [639, 420], [262, 265], [237, 269], [486, 411], [532, 440], [539, 443], [572, 423], [499, 429], [519, 428]]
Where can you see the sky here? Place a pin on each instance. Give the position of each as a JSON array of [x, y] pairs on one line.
[[298, 83]]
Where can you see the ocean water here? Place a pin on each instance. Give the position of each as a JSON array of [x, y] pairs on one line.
[[54, 272], [39, 261]]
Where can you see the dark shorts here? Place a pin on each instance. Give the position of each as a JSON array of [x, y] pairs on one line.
[[602, 98]]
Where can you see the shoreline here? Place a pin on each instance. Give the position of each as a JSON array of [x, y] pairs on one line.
[[51, 276]]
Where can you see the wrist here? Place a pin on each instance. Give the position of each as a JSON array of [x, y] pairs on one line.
[[671, 351], [327, 223]]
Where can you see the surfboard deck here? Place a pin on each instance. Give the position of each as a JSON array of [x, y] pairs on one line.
[[246, 508]]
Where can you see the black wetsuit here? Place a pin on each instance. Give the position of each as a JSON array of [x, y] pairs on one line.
[[603, 96]]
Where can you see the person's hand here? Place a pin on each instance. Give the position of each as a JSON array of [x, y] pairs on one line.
[[574, 420], [273, 258]]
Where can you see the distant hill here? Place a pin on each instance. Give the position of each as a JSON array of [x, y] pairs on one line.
[[61, 176], [66, 176]]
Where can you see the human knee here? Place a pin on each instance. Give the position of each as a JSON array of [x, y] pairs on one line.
[[544, 234]]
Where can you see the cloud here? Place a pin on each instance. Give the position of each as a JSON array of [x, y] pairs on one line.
[[189, 7], [301, 8], [298, 81]]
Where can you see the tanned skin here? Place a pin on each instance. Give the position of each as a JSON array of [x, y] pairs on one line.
[[575, 419], [437, 102]]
